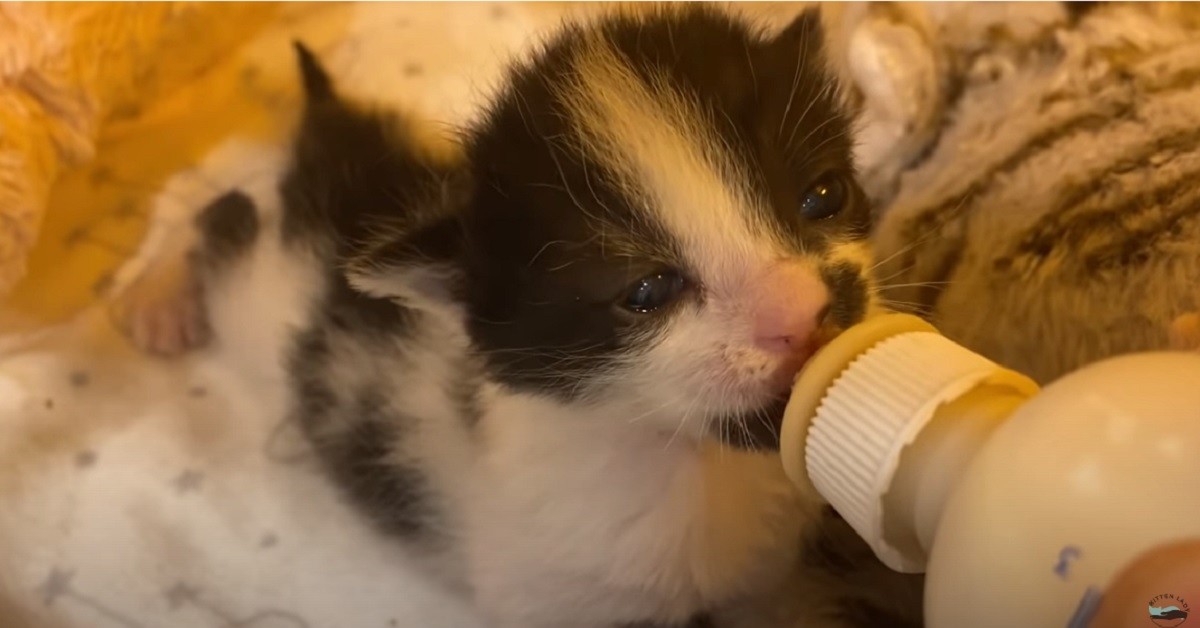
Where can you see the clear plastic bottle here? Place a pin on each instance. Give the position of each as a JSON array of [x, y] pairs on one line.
[[1019, 504]]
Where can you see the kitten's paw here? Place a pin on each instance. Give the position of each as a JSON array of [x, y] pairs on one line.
[[162, 311], [1185, 332]]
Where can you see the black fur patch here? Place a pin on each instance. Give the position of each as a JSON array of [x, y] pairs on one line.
[[361, 460], [318, 88], [228, 226], [355, 435], [354, 172], [351, 311], [848, 293], [309, 359], [1078, 9], [541, 285]]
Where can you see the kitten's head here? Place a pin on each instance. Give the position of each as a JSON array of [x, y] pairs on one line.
[[662, 221]]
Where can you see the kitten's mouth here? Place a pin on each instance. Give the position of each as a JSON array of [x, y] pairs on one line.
[[754, 430], [758, 429]]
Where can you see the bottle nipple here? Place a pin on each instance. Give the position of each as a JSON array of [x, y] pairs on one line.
[[861, 401]]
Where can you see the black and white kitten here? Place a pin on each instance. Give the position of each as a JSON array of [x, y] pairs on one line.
[[555, 362]]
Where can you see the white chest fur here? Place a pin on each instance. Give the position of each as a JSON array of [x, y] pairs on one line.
[[574, 519]]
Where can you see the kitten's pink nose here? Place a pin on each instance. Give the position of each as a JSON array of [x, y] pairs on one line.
[[790, 300]]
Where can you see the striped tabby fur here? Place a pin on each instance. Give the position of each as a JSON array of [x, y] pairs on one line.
[[1054, 217]]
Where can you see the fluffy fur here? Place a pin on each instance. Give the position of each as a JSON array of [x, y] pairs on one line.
[[1050, 215], [472, 355]]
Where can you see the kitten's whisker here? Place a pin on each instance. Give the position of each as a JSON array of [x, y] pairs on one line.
[[884, 280], [919, 284], [795, 83], [687, 414]]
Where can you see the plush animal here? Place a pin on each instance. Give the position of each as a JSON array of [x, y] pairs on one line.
[[1048, 213]]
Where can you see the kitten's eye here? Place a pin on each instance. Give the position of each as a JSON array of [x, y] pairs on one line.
[[654, 291], [825, 198]]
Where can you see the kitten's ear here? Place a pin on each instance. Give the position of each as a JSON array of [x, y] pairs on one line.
[[819, 38], [420, 267], [805, 35], [318, 87]]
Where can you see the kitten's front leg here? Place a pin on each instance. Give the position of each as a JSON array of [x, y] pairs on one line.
[[201, 216], [162, 310]]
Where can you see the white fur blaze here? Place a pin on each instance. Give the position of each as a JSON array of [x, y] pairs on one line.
[[663, 151]]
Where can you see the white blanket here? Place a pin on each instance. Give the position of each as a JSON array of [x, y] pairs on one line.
[[152, 494]]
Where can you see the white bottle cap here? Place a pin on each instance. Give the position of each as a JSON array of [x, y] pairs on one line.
[[875, 407]]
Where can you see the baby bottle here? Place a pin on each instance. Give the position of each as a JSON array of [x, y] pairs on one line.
[[1020, 504]]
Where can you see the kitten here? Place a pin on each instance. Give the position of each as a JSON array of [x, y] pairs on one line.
[[555, 362]]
